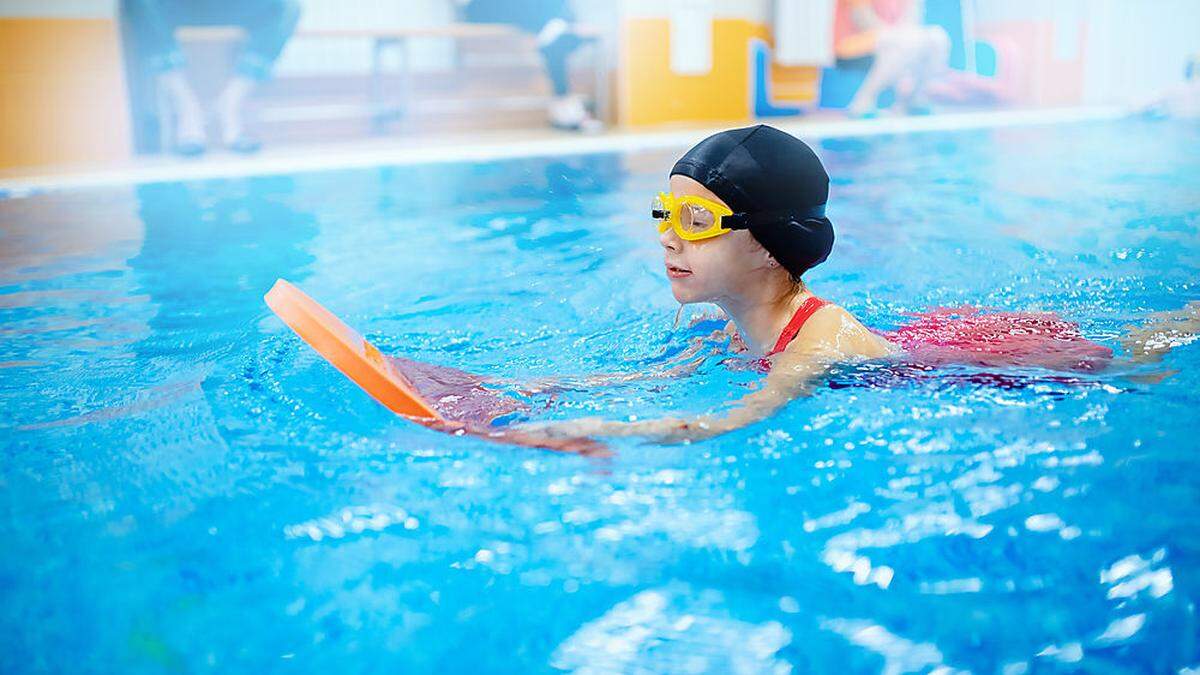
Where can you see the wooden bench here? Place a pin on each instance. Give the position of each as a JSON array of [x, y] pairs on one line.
[[397, 41], [382, 107]]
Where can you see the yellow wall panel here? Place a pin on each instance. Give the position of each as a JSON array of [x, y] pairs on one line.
[[653, 94]]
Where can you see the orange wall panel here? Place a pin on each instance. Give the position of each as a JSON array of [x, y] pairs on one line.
[[796, 85], [62, 92]]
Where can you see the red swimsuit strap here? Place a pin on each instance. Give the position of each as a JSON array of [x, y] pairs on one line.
[[802, 315]]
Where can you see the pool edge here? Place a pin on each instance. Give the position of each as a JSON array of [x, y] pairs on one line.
[[402, 152]]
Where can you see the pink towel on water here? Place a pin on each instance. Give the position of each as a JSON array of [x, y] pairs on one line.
[[968, 336]]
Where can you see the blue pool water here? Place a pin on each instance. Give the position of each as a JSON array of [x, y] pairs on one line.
[[185, 487]]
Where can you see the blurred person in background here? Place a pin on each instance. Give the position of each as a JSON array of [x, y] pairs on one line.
[[1181, 101], [888, 36], [553, 24], [268, 25]]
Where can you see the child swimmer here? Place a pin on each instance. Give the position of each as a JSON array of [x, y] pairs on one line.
[[742, 223]]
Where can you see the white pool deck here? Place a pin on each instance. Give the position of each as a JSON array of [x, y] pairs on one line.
[[497, 145]]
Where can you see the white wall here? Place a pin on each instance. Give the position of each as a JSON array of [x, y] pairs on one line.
[[752, 10], [1138, 48], [1134, 48], [348, 55]]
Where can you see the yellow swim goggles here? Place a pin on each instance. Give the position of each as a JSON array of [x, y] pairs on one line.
[[695, 218]]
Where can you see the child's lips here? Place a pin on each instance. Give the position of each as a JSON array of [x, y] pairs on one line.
[[677, 272]]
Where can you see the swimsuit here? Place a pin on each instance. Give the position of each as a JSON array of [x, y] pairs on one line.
[[802, 315]]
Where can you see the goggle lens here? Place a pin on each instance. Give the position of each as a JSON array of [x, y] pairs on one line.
[[696, 219]]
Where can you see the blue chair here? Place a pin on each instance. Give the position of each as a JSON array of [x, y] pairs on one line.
[[760, 64]]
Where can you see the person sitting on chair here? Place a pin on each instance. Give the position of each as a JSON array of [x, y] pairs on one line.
[[268, 25], [901, 53], [557, 38]]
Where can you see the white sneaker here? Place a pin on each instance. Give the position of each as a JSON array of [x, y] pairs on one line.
[[568, 112], [554, 29]]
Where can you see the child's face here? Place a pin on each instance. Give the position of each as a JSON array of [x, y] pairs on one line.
[[723, 268]]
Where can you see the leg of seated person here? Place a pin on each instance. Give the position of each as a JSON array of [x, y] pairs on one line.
[[269, 24], [550, 21], [153, 24], [555, 56], [891, 58], [933, 61], [901, 54], [567, 110], [189, 114]]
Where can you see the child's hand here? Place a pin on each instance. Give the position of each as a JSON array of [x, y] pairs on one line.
[[525, 435], [573, 443]]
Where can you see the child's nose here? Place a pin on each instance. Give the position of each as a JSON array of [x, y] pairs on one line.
[[670, 240]]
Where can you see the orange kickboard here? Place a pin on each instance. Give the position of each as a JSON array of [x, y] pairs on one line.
[[348, 351]]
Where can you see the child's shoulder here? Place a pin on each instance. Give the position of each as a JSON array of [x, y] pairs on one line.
[[833, 328]]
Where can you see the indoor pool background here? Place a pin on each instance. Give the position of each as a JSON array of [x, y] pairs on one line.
[[185, 487]]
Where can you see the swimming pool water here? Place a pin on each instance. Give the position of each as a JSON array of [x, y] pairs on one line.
[[186, 487]]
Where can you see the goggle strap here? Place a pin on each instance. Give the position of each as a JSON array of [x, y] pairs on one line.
[[744, 221]]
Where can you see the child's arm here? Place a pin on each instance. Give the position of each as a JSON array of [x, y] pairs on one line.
[[830, 337], [791, 376], [683, 363]]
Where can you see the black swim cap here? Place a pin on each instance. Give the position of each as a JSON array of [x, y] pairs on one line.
[[776, 179]]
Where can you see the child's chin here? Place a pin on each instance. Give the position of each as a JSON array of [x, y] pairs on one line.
[[684, 295]]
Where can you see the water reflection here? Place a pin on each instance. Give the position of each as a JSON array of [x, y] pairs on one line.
[[188, 474]]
